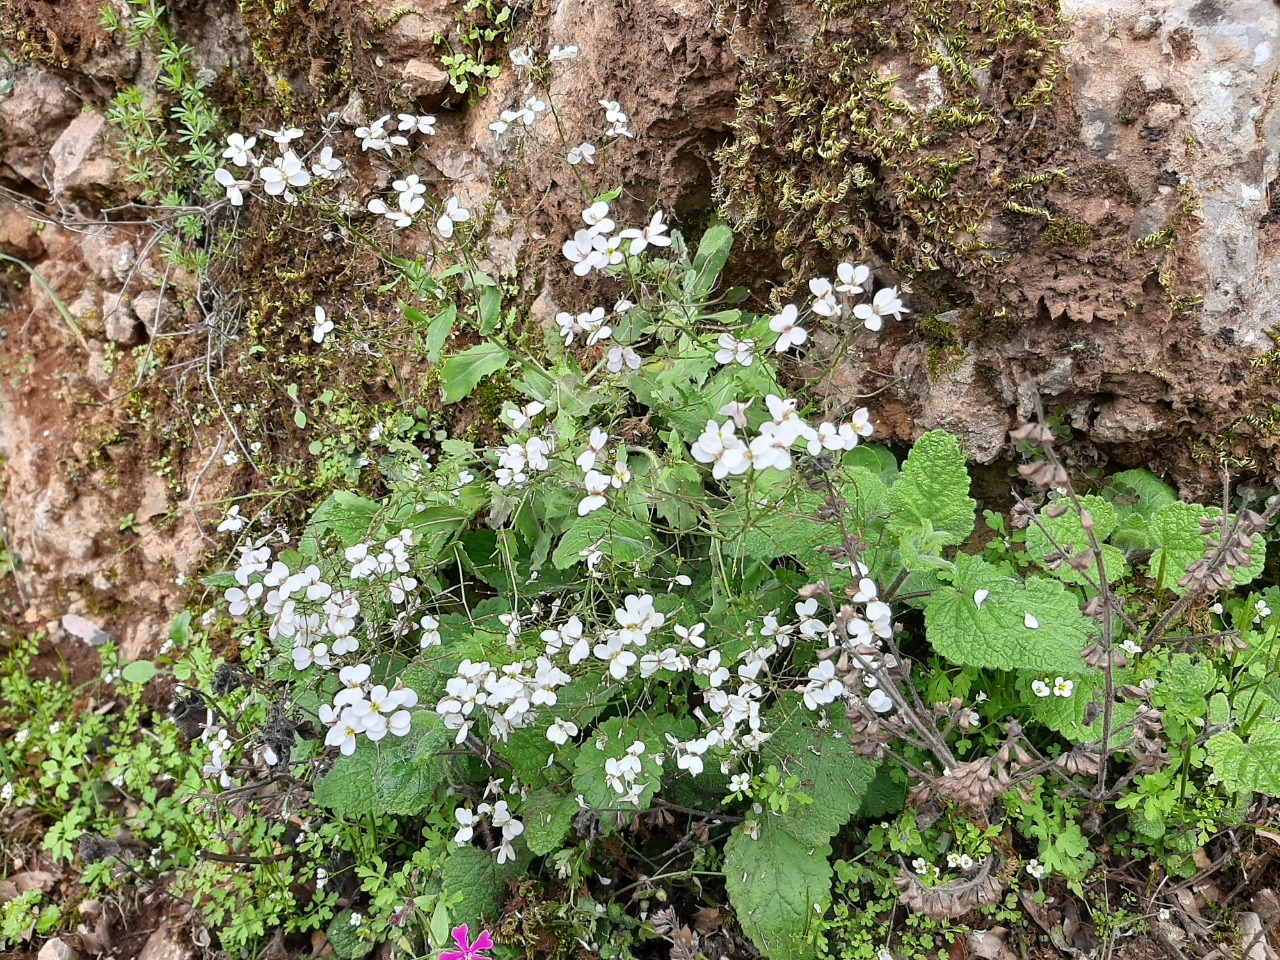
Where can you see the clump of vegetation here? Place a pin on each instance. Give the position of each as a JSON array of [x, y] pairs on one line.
[[878, 118], [659, 655]]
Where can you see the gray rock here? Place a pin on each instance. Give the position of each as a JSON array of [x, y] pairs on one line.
[[31, 116], [424, 78], [120, 322], [57, 949], [165, 944], [109, 255]]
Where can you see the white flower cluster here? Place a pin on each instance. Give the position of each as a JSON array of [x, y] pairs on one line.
[[500, 818], [834, 299], [508, 696], [862, 636], [280, 175], [378, 138], [620, 773], [597, 247], [517, 458], [219, 745], [360, 708], [730, 455], [1061, 688]]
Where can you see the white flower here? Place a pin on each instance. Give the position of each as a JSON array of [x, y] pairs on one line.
[[884, 304], [787, 326], [235, 188], [733, 350], [238, 150], [596, 483], [613, 112], [852, 279], [608, 250], [1062, 687], [720, 446], [582, 253], [522, 56], [594, 326], [423, 123], [532, 107], [323, 326], [597, 217], [282, 137], [1035, 869], [692, 635], [824, 302], [233, 522], [582, 153], [453, 213], [562, 731], [1040, 688], [285, 171], [1131, 648], [619, 357], [879, 701], [521, 417], [561, 54], [410, 191], [327, 165], [652, 235]]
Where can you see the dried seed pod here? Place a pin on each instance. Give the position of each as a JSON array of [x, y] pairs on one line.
[[1036, 434], [1056, 510]]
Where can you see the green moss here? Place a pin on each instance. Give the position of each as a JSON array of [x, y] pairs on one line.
[[1065, 231], [944, 353], [832, 150]]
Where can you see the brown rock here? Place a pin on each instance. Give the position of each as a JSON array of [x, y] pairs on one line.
[[80, 157], [18, 237], [31, 117], [120, 322], [109, 255], [424, 78]]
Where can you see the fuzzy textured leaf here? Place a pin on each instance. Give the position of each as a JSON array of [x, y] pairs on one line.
[[1175, 530], [1069, 535], [995, 636], [547, 817], [479, 878], [934, 486], [778, 887], [1253, 764], [398, 775]]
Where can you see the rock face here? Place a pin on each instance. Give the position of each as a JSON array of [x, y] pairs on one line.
[[1078, 199]]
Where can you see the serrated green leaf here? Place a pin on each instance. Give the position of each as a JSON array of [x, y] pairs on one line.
[[1175, 531], [934, 486], [996, 636], [886, 794], [620, 539], [479, 879], [1067, 532], [617, 735], [1065, 715], [547, 818], [345, 938], [879, 460], [1136, 495], [344, 515], [1252, 765], [779, 887], [830, 772], [463, 373], [397, 775]]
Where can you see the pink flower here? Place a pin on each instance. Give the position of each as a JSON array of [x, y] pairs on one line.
[[467, 950]]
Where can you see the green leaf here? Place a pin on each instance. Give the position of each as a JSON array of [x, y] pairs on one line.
[[1136, 496], [996, 635], [1065, 715], [547, 818], [830, 772], [344, 515], [1067, 532], [1175, 530], [300, 418], [345, 939], [886, 794], [180, 630], [397, 775], [713, 253], [934, 486], [479, 880], [463, 373], [617, 735], [1252, 765], [438, 331], [620, 539], [779, 887], [879, 460], [139, 671]]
